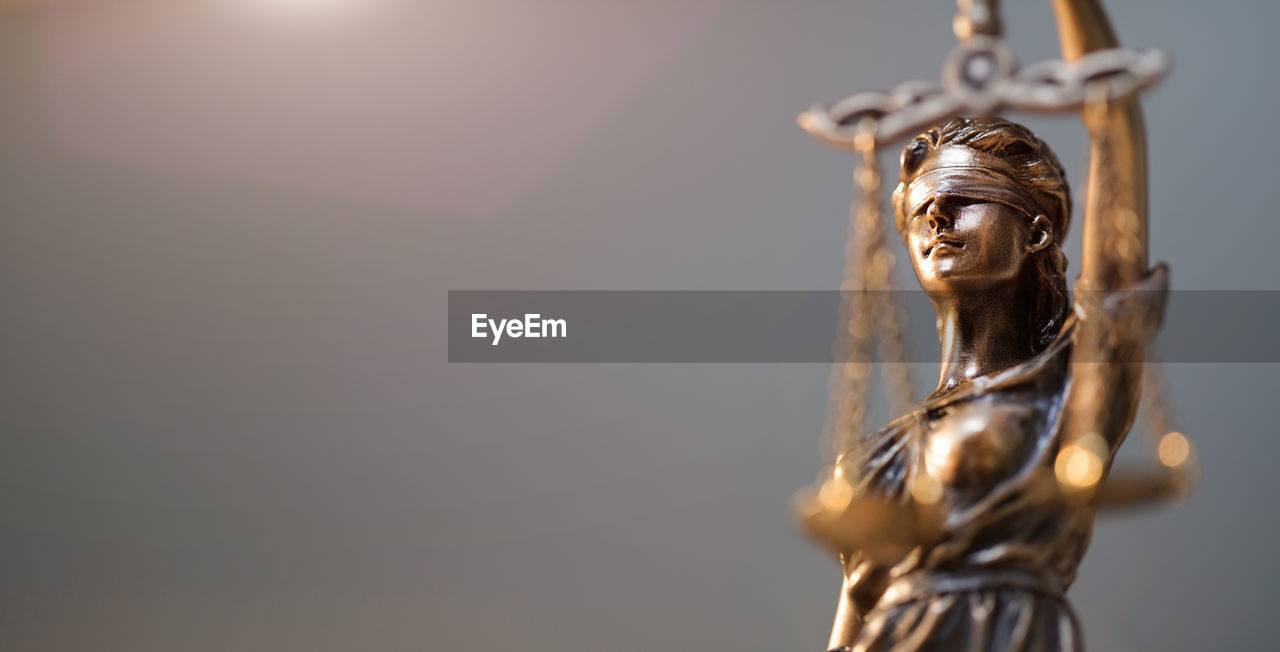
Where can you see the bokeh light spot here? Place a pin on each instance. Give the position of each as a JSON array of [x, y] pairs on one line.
[[1174, 449]]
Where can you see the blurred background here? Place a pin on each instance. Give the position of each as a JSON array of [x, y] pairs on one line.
[[227, 231]]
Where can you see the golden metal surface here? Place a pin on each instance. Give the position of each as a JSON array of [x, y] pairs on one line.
[[960, 524]]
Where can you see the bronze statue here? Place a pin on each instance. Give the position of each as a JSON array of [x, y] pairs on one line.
[[961, 523], [982, 206]]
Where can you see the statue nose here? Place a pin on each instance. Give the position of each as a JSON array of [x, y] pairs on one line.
[[938, 219]]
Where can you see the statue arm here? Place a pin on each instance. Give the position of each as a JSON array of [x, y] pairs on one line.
[[1104, 397]]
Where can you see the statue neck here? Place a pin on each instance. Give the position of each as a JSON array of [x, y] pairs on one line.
[[982, 333]]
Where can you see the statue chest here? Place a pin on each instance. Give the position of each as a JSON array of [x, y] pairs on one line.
[[976, 444]]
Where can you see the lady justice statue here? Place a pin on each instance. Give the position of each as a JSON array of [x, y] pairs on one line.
[[960, 524]]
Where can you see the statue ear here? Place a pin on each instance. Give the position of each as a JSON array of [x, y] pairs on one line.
[[1041, 234]]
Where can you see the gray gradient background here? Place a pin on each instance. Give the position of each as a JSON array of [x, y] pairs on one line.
[[228, 422]]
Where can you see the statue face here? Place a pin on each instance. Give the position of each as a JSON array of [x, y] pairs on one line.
[[959, 243]]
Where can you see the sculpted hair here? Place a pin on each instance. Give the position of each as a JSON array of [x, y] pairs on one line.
[[1037, 169]]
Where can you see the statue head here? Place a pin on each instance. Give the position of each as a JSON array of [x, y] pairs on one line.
[[983, 205]]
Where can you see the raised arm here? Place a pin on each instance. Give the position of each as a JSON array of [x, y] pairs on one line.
[[1111, 341], [1117, 162]]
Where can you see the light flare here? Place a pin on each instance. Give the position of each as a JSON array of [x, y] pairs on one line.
[[307, 9], [1080, 465], [1174, 450], [835, 494]]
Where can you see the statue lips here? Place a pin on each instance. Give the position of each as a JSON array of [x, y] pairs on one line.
[[940, 240]]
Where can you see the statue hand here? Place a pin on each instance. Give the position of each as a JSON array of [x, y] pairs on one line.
[[881, 529]]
